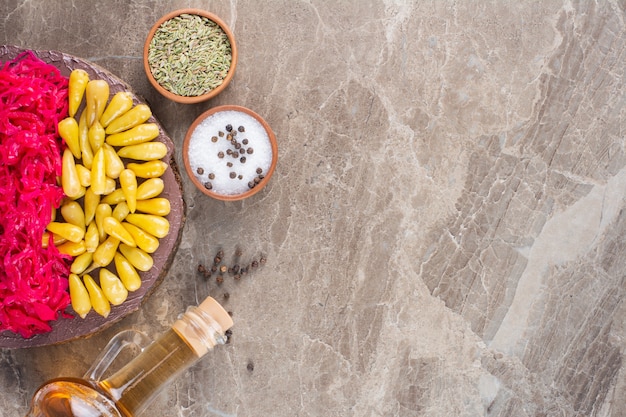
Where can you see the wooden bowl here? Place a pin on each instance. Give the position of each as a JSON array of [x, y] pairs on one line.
[[190, 152], [211, 93], [66, 329]]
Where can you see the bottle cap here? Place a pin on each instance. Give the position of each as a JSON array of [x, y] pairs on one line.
[[194, 328], [215, 310]]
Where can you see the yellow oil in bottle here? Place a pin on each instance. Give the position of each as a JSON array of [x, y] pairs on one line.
[[133, 386]]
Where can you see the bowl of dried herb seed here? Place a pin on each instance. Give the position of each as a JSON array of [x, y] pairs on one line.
[[190, 55], [230, 152]]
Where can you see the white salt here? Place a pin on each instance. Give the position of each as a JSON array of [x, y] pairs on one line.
[[210, 168]]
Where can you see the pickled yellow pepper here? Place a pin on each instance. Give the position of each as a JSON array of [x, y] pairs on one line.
[[119, 104], [68, 130], [69, 176], [113, 289], [96, 97], [98, 300], [76, 89], [134, 117], [79, 296], [128, 181]]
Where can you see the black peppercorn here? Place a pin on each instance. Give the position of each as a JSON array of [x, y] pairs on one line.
[[229, 164], [229, 127], [220, 154], [217, 260], [200, 170], [259, 170], [250, 150], [251, 184], [214, 139], [254, 264], [211, 176], [219, 279], [241, 129], [245, 141], [233, 174], [220, 134], [250, 366], [242, 159], [240, 176], [208, 185], [262, 261], [229, 151]]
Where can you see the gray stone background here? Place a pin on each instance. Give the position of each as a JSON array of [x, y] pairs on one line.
[[444, 230]]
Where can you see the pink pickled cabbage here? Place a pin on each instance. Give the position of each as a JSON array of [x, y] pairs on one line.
[[33, 279]]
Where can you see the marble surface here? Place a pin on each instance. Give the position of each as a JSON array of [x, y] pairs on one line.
[[443, 232]]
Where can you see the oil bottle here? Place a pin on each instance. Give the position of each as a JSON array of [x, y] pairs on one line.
[[127, 392]]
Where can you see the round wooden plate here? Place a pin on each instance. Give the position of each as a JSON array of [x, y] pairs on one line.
[[64, 329]]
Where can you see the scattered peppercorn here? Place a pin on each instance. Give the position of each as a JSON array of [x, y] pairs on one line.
[[229, 128], [245, 141], [220, 154], [233, 174], [259, 170], [219, 279], [211, 176], [250, 366], [242, 159], [223, 269], [226, 296], [254, 264], [220, 134], [208, 185], [214, 139], [200, 170], [229, 164], [241, 129], [250, 150]]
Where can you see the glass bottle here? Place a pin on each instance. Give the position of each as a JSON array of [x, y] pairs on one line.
[[132, 388]]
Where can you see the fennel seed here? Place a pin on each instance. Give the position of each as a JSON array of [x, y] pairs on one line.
[[189, 55]]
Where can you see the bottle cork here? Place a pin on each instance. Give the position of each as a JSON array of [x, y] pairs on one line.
[[199, 335], [215, 310]]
